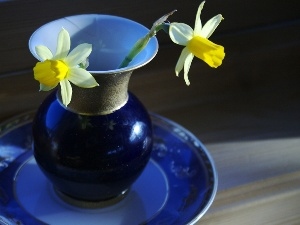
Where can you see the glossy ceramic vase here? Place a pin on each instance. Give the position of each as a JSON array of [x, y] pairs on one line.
[[94, 149]]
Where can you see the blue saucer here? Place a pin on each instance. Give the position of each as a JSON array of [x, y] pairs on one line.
[[177, 187]]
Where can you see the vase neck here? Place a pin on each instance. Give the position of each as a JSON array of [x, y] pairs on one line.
[[109, 96]]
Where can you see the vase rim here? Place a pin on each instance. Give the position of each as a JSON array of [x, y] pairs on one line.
[[69, 22]]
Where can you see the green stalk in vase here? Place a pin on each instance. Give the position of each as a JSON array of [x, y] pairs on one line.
[[160, 24]]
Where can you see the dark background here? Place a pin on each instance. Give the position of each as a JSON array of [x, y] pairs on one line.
[[255, 90]]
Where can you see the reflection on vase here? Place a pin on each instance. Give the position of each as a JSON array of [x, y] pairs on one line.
[[98, 156]]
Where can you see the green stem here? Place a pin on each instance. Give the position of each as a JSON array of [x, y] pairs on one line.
[[160, 24], [137, 48]]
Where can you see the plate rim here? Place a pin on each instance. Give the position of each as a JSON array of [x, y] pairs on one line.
[[24, 118], [208, 155]]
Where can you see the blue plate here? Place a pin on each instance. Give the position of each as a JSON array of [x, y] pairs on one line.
[[177, 187]]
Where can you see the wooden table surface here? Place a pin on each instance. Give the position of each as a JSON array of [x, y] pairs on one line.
[[246, 113]]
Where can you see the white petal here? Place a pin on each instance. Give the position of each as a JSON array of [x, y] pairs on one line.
[[180, 33], [210, 26], [78, 54], [43, 52], [82, 78], [66, 91], [46, 88], [63, 44], [187, 65], [180, 63], [198, 24]]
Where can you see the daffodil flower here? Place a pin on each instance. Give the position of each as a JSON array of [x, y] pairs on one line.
[[196, 43], [63, 68]]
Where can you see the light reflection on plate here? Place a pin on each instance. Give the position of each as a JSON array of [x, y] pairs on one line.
[[36, 195]]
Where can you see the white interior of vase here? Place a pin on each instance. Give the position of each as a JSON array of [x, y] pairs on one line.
[[111, 37]]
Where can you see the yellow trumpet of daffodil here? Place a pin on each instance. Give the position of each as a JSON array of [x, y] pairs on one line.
[[196, 43], [63, 67]]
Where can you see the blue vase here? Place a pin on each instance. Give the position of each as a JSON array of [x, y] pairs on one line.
[[95, 148]]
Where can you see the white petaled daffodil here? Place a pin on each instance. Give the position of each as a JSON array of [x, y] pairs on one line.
[[196, 43], [62, 67]]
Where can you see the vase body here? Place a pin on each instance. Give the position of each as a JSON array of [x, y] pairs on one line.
[[95, 148], [92, 157]]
